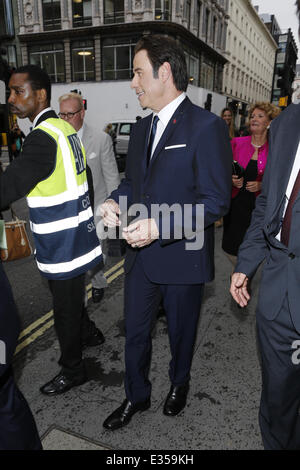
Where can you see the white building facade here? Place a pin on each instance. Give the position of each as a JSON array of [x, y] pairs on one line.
[[250, 52], [88, 45]]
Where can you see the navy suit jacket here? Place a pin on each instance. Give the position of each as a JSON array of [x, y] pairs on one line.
[[281, 272], [190, 165]]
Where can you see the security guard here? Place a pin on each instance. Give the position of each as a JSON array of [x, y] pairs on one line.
[[51, 171]]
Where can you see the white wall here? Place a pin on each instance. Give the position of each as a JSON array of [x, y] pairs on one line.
[[108, 101]]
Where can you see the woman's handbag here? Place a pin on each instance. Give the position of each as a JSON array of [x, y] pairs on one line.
[[17, 241]]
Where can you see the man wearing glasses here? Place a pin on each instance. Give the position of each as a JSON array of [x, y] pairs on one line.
[[101, 160]]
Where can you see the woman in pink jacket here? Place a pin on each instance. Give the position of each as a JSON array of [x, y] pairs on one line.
[[251, 154]]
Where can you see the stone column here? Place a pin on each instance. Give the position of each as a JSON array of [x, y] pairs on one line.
[[97, 49], [21, 17], [24, 53], [68, 70], [96, 13], [36, 22], [65, 20]]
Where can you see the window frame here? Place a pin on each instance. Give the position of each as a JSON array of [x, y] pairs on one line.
[[89, 46], [54, 52], [55, 22]]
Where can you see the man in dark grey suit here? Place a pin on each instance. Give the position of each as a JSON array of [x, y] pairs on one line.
[[273, 237]]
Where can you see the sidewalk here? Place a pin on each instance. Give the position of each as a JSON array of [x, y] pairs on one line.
[[222, 409]]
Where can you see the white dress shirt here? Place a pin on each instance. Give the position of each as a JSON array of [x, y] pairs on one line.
[[164, 116]]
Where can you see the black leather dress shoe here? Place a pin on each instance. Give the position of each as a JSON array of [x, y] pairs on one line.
[[61, 384], [176, 399], [95, 339], [122, 415], [97, 295]]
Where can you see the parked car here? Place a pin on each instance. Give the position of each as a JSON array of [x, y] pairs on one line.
[[120, 132]]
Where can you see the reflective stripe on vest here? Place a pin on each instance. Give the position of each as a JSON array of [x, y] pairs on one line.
[[70, 265], [63, 224]]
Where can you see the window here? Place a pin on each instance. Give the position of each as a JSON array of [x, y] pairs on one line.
[[51, 14], [114, 11], [83, 61], [117, 58], [82, 12], [51, 58], [207, 75], [163, 9], [206, 18], [193, 70], [6, 19], [187, 13], [11, 56], [198, 16], [220, 35], [213, 29]]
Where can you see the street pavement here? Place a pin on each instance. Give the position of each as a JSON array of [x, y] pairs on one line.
[[223, 402]]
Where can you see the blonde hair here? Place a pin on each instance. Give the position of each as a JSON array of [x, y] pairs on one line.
[[231, 128], [73, 96], [270, 109]]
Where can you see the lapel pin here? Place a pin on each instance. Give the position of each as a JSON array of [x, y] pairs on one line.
[[174, 121]]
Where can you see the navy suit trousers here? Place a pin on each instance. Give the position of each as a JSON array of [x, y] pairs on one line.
[[280, 399], [182, 305], [17, 426]]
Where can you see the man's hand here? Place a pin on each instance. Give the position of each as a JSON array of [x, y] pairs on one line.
[[141, 233], [109, 212], [238, 289]]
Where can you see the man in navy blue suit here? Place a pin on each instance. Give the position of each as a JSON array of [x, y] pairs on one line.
[[179, 162], [273, 239]]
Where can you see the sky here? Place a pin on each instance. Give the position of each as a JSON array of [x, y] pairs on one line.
[[285, 13]]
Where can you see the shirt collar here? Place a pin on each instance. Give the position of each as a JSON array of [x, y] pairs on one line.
[[167, 112], [80, 131], [39, 115]]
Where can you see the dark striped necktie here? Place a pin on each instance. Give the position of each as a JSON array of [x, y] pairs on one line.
[[151, 138]]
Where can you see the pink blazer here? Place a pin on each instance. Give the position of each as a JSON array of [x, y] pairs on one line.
[[242, 152]]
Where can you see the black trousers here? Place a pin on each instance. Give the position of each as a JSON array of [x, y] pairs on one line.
[[280, 399], [71, 323]]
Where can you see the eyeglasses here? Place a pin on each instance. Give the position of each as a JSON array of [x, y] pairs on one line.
[[68, 115]]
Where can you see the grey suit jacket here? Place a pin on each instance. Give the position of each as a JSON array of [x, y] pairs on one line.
[[101, 160], [281, 271]]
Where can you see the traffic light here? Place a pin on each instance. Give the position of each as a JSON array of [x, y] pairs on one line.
[[207, 104], [78, 92]]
